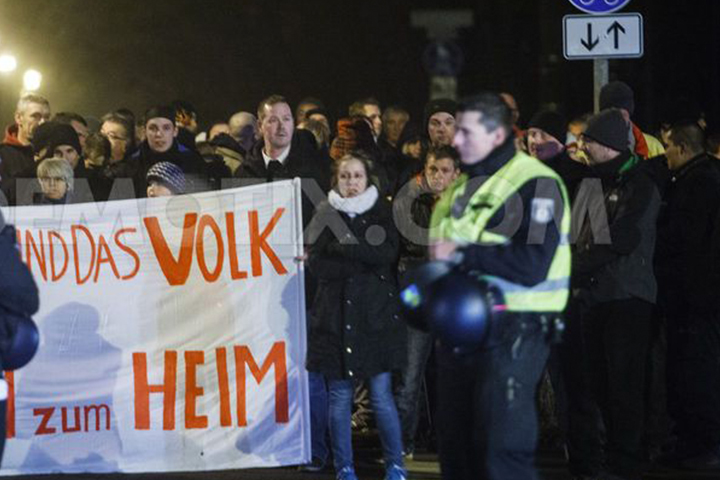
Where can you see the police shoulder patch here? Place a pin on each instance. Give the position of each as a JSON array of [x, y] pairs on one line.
[[542, 210]]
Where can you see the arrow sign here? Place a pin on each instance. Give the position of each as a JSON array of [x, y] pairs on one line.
[[603, 36], [616, 28], [590, 44]]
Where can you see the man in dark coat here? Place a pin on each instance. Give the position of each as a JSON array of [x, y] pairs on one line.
[[687, 265], [614, 291], [16, 151], [285, 153], [412, 209], [161, 145]]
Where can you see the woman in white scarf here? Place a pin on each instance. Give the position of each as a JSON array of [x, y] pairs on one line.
[[355, 331]]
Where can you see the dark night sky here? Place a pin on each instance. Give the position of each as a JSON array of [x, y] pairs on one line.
[[224, 56]]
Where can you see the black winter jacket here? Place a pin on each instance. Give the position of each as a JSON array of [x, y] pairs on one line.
[[688, 248], [613, 255], [18, 292], [355, 328]]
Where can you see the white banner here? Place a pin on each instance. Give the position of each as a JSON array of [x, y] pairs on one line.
[[172, 335]]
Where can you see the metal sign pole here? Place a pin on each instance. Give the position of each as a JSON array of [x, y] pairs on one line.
[[601, 76]]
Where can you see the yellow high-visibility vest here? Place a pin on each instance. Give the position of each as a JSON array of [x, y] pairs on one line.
[[468, 226]]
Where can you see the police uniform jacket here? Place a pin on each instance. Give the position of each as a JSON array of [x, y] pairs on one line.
[[355, 330], [530, 220]]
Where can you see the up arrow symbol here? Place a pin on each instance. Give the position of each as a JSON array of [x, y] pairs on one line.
[[615, 29], [590, 43]]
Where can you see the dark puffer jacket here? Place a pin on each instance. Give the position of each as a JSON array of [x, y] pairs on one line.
[[355, 328]]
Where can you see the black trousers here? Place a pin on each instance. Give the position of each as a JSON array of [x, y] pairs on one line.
[[693, 364], [487, 418], [604, 359]]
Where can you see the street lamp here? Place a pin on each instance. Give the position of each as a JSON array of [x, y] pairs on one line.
[[8, 63], [32, 80]]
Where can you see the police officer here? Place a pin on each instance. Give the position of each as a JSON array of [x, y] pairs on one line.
[[507, 218]]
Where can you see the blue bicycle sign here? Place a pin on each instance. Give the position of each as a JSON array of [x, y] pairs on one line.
[[599, 6]]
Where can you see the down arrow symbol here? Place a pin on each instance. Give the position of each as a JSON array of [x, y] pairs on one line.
[[590, 43]]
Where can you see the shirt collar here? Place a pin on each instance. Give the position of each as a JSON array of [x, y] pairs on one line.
[[281, 158]]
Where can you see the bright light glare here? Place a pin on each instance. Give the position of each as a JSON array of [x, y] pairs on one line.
[[32, 80], [8, 63]]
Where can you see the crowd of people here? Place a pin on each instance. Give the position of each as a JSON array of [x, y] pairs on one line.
[[589, 223]]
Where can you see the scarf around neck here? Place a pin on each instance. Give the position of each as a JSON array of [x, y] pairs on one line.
[[354, 205]]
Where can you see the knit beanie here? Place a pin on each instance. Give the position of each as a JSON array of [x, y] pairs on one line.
[[42, 136], [551, 123], [609, 128], [439, 105], [168, 174], [160, 112], [63, 134], [617, 95]]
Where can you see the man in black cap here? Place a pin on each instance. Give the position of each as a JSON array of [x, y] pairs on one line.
[[546, 135], [440, 121], [619, 95], [613, 292]]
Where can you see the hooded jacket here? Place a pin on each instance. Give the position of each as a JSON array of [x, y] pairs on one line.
[[16, 162]]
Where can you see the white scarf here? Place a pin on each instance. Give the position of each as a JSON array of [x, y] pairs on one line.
[[354, 205]]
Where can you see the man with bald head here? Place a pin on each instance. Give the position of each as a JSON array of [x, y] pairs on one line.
[[243, 128]]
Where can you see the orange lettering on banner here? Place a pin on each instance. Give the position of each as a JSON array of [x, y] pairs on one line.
[[108, 258], [96, 408], [129, 251], [276, 359], [176, 271], [74, 229], [235, 272], [39, 254], [18, 234], [193, 391], [258, 242], [143, 390], [205, 222], [224, 386], [65, 427], [10, 413], [46, 413], [57, 276]]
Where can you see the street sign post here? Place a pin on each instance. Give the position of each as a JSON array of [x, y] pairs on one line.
[[603, 36], [599, 6], [576, 47]]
